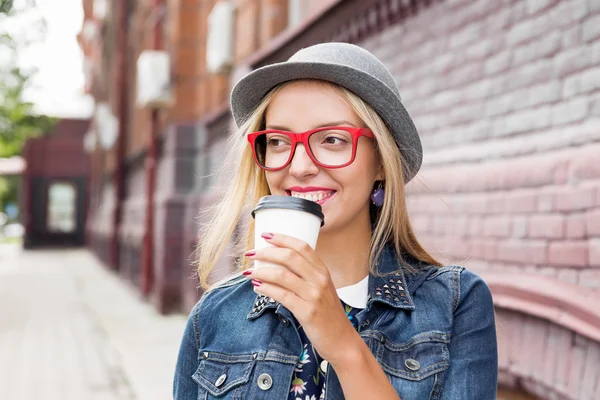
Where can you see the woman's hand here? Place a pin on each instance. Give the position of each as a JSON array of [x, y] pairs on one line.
[[303, 285], [305, 288]]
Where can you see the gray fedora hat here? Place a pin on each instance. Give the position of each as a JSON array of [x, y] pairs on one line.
[[349, 66]]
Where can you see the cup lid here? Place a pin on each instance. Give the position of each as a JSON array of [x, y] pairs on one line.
[[290, 203]]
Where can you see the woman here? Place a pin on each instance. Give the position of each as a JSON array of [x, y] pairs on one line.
[[368, 314]]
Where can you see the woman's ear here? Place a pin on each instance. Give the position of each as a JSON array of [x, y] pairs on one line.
[[380, 173]]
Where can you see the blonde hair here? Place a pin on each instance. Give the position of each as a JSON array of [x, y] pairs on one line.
[[248, 184]]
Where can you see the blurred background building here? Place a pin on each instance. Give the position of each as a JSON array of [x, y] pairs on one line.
[[505, 94], [54, 186]]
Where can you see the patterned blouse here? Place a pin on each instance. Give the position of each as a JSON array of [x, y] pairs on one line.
[[308, 382]]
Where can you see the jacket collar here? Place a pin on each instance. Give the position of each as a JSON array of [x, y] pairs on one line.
[[388, 286], [261, 303]]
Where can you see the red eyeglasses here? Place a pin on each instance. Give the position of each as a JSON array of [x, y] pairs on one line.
[[328, 147]]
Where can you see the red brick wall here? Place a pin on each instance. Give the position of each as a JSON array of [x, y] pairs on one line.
[[141, 33], [189, 48], [197, 92], [313, 7], [246, 32], [273, 19], [60, 154]]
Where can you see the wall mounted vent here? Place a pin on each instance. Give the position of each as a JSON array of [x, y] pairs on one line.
[[107, 125], [154, 79], [219, 48]]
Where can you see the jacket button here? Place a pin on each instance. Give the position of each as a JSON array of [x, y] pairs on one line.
[[324, 365], [412, 364], [265, 381], [284, 321], [221, 380]]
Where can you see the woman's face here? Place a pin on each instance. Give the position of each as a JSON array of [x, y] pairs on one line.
[[305, 105]]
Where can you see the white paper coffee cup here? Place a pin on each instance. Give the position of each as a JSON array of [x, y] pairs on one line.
[[287, 215]]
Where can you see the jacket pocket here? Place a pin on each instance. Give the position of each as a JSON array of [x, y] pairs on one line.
[[223, 376], [422, 356], [415, 368]]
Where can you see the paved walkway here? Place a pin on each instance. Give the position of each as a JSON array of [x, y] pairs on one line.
[[70, 329]]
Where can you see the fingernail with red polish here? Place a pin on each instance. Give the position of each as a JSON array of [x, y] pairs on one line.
[[250, 253], [247, 272], [256, 282], [267, 235]]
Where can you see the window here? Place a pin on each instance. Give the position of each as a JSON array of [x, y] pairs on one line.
[[62, 215]]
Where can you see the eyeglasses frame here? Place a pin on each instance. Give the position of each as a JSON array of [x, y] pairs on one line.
[[302, 137]]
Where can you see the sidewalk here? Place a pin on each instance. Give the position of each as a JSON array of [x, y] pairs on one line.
[[70, 329]]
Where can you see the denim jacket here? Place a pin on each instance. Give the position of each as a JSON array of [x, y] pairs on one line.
[[432, 332]]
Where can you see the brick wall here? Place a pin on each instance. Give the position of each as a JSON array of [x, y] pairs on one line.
[[546, 359], [246, 32], [313, 7], [141, 35], [506, 96], [189, 48], [273, 19]]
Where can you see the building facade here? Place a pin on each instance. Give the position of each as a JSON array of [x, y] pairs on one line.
[[505, 94], [54, 186]]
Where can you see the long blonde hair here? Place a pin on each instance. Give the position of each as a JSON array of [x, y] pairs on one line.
[[246, 184]]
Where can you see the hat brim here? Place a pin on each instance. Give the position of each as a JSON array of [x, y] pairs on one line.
[[250, 90]]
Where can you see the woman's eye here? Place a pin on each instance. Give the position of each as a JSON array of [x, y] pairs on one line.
[[275, 142], [334, 140]]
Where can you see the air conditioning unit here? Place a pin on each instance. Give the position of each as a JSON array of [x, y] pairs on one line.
[[90, 141], [100, 9], [219, 47], [89, 30], [107, 125], [154, 79]]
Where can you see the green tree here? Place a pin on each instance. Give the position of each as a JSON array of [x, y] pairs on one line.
[[18, 120]]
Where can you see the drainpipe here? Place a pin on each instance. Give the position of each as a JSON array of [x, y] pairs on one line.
[[121, 78], [146, 275], [27, 196]]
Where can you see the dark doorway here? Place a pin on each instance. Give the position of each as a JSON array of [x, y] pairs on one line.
[[58, 212]]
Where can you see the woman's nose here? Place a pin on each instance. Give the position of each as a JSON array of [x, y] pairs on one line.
[[302, 164]]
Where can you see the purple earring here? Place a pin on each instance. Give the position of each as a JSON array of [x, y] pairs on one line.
[[378, 195]]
